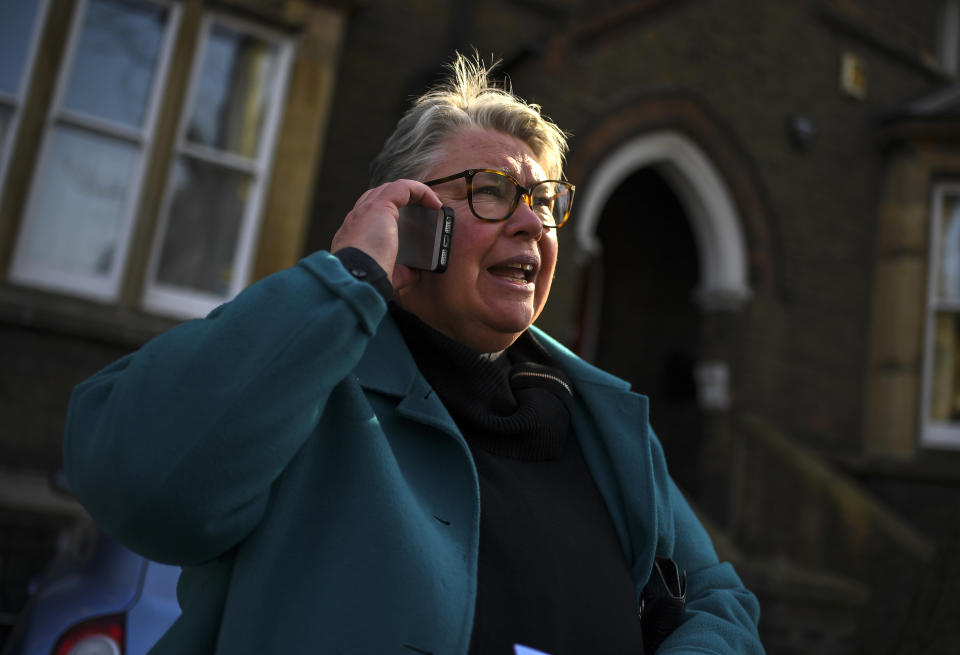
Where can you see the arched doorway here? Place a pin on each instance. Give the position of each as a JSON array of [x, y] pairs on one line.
[[665, 252], [649, 328]]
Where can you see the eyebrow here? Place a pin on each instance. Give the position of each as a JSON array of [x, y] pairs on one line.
[[519, 178]]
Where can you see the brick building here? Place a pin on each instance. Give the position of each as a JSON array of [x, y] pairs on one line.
[[764, 242]]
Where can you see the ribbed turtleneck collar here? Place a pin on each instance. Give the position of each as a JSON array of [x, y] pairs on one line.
[[517, 405]]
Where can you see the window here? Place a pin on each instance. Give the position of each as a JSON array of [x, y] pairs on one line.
[[209, 217], [111, 216], [84, 193], [941, 397], [156, 139], [19, 35]]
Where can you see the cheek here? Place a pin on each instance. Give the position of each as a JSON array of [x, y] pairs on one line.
[[463, 263], [452, 286], [471, 240], [548, 253]]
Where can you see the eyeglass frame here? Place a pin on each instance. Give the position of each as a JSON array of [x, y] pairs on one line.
[[522, 191]]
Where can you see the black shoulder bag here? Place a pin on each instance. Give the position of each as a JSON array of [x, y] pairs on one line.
[[662, 603]]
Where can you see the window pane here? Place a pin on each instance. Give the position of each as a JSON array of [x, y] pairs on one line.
[[948, 275], [945, 397], [79, 201], [233, 91], [116, 60], [203, 226], [16, 28]]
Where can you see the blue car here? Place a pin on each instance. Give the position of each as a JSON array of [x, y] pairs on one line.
[[98, 598]]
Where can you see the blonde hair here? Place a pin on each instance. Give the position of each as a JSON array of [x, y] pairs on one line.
[[469, 98]]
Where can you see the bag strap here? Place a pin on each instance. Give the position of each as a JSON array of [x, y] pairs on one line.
[[662, 603], [667, 580]]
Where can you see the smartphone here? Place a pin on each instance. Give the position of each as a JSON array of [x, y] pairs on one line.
[[425, 237]]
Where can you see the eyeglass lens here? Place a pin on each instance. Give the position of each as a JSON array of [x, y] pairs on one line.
[[495, 197]]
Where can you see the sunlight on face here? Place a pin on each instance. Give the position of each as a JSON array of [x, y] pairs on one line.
[[499, 274]]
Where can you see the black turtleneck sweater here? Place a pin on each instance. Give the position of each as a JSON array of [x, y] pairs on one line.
[[551, 574]]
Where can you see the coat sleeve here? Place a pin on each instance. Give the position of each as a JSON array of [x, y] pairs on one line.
[[722, 614], [174, 448]]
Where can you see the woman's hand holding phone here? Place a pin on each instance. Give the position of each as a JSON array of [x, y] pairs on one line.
[[372, 225]]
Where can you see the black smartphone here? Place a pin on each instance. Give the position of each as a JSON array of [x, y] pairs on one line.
[[425, 237]]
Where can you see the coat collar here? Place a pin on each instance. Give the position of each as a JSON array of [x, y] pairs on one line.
[[578, 369], [388, 367]]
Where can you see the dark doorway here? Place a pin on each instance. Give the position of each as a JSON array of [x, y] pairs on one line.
[[649, 328]]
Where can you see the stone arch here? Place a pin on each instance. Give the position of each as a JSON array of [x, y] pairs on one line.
[[721, 244]]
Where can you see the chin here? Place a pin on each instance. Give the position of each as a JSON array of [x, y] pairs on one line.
[[511, 318], [511, 330], [508, 328], [494, 342]]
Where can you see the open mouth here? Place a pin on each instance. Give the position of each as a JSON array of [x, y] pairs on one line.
[[516, 272]]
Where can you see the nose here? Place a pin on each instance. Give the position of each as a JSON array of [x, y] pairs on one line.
[[523, 222]]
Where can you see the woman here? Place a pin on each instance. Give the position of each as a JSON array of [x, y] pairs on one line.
[[354, 456]]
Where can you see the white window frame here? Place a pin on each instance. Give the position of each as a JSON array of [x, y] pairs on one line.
[[936, 434], [105, 288], [179, 302], [16, 101]]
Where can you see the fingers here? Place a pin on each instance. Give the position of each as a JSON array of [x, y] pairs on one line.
[[371, 225]]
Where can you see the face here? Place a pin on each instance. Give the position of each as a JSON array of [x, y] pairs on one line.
[[499, 274]]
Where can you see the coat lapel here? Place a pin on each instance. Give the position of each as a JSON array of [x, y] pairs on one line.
[[388, 367], [611, 424]]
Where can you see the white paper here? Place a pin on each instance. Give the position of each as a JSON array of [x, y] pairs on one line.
[[525, 650]]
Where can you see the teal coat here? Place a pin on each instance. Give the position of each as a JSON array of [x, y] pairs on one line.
[[287, 453]]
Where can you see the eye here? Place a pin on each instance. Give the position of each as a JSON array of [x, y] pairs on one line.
[[492, 189], [544, 197]]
